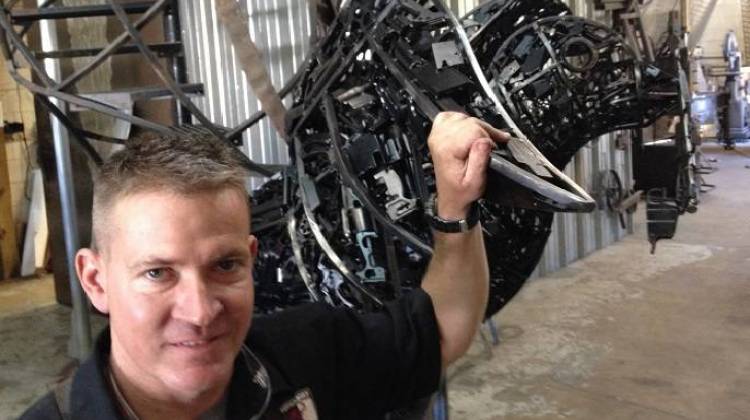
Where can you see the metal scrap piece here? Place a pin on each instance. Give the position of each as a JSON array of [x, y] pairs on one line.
[[446, 54], [523, 154]]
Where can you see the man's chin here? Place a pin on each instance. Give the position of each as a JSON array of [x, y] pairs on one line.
[[189, 383]]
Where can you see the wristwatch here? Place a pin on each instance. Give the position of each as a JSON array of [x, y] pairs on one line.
[[452, 226]]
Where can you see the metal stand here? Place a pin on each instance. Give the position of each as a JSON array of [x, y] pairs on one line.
[[79, 345]]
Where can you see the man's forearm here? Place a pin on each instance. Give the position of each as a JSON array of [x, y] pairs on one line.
[[457, 280]]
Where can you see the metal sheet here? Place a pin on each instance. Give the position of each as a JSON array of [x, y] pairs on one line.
[[280, 28], [461, 7]]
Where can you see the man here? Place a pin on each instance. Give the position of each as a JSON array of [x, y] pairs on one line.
[[172, 267]]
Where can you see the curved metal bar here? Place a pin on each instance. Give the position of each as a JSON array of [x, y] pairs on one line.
[[555, 198], [91, 104], [477, 69], [352, 181], [555, 62], [321, 88], [291, 228], [64, 120], [486, 24], [17, 42], [5, 47], [109, 49], [96, 136], [236, 132], [28, 26], [259, 168], [320, 237], [424, 103]]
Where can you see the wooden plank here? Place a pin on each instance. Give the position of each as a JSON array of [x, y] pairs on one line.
[[8, 249], [35, 244]]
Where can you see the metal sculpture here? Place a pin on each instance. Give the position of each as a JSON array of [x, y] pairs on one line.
[[362, 112], [345, 221], [569, 80]]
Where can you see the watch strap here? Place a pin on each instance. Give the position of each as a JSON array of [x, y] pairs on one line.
[[455, 226]]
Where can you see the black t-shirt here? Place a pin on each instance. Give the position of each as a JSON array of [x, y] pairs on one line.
[[355, 366]]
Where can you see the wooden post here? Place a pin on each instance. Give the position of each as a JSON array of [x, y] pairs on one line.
[[8, 248], [685, 15]]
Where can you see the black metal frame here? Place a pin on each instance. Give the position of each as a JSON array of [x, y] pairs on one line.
[[173, 77]]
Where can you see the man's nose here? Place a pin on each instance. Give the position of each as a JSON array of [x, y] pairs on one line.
[[195, 303]]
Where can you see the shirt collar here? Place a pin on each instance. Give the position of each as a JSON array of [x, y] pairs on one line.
[[93, 398]]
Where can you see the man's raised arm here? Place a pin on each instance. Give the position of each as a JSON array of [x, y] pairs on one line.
[[457, 279]]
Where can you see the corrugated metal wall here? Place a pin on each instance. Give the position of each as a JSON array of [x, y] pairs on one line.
[[280, 28], [711, 20], [746, 31], [698, 9], [577, 235]]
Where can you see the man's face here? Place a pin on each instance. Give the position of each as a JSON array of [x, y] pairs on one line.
[[177, 273]]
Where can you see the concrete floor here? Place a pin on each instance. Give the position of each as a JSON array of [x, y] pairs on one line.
[[33, 351], [621, 334]]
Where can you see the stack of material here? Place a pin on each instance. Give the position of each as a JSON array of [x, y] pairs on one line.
[[17, 156], [8, 249]]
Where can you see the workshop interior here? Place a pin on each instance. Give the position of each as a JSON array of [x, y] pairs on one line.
[[614, 219]]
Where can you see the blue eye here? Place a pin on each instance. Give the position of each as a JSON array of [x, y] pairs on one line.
[[155, 273]]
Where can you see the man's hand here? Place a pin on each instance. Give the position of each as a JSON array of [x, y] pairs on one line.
[[457, 279], [460, 146]]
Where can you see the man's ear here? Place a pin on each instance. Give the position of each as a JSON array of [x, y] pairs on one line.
[[253, 243], [91, 275]]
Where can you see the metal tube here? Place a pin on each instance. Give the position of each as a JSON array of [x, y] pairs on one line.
[[79, 345], [176, 64], [63, 119]]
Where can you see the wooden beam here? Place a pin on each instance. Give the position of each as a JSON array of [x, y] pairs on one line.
[[8, 248], [685, 15]]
